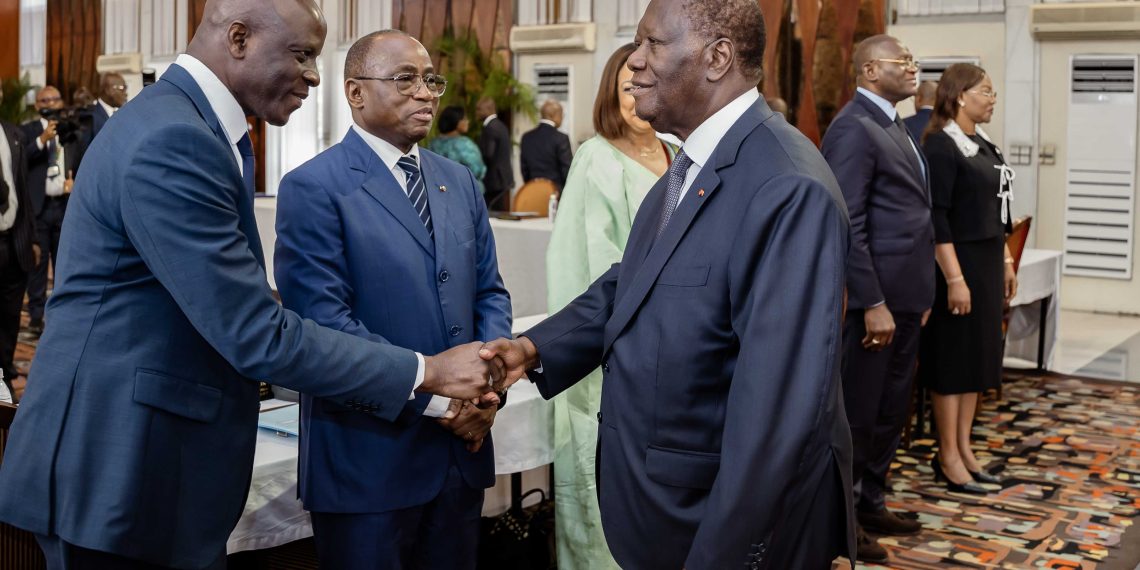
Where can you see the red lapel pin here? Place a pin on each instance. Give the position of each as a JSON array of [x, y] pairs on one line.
[[701, 192]]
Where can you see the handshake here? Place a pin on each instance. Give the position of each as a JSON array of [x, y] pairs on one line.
[[478, 372], [473, 376]]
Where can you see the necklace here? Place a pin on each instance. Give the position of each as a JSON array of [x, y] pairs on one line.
[[649, 151]]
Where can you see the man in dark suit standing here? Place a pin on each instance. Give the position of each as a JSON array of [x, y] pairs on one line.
[[112, 96], [923, 109], [18, 251], [723, 442], [890, 272], [134, 443], [544, 151], [52, 164], [390, 242], [495, 144]]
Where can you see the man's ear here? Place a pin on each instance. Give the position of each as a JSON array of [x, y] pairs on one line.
[[869, 72], [236, 37], [721, 56], [353, 92]]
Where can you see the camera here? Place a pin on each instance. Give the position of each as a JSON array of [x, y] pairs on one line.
[[70, 122]]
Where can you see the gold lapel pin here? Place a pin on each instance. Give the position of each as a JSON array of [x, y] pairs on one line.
[[701, 192], [442, 188]]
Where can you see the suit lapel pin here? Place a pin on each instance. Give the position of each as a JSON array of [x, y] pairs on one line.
[[701, 192], [442, 188]]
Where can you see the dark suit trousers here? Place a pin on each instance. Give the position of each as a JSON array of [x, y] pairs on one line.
[[48, 225], [13, 283], [498, 199], [442, 534], [876, 393], [62, 555]]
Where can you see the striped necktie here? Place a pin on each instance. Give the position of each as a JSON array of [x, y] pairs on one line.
[[416, 190]]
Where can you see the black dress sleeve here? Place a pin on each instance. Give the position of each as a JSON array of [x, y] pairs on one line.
[[942, 158]]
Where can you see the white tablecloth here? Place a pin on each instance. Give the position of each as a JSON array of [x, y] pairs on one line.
[[521, 247], [1038, 278]]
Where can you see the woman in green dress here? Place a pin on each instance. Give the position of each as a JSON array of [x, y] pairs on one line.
[[609, 177], [453, 143]]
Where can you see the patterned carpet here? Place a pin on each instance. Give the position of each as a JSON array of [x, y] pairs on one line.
[[1068, 451]]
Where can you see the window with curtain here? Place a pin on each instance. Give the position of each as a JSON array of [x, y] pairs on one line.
[[120, 26], [163, 20], [362, 17], [33, 32]]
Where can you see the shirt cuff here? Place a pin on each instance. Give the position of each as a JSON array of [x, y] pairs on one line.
[[437, 406], [419, 376], [39, 143]]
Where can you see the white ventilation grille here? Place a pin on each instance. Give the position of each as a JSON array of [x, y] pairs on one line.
[[554, 82], [1101, 166], [931, 68]]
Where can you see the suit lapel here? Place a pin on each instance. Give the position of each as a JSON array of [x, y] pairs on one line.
[[382, 186], [900, 138], [437, 202], [699, 193]]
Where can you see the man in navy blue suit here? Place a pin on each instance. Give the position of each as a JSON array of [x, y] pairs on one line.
[[390, 242], [923, 109], [723, 442], [890, 272], [112, 96], [133, 447]]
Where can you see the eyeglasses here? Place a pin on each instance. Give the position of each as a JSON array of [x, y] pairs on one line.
[[988, 94], [117, 87], [47, 100], [409, 83], [908, 63]]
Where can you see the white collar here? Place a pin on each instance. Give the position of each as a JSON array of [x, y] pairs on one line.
[[387, 152], [106, 108], [879, 102], [926, 108], [548, 122], [704, 139], [489, 119], [221, 100], [966, 146]]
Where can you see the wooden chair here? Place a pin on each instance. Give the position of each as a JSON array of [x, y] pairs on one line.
[[534, 196], [18, 547]]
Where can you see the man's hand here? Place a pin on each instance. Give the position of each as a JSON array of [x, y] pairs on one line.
[[36, 253], [48, 134], [69, 182], [880, 327], [469, 422], [925, 317], [461, 374], [514, 357]]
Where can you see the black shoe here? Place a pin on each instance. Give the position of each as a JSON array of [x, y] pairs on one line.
[[886, 522], [36, 326], [868, 549], [968, 487], [985, 477]]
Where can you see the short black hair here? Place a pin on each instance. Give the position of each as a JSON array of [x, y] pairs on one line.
[[741, 21], [356, 61], [450, 118]]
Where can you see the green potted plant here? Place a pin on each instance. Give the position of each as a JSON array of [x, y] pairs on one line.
[[13, 106]]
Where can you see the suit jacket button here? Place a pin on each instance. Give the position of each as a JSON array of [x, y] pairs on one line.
[[455, 330], [599, 417], [444, 276], [606, 367]]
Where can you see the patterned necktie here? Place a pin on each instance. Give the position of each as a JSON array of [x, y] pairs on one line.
[[416, 192], [245, 148], [676, 174]]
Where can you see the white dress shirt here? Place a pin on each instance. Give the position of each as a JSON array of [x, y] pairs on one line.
[[53, 185], [223, 103], [704, 139], [7, 219], [108, 108], [390, 156], [489, 119]]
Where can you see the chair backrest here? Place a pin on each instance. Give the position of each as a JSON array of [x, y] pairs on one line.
[[18, 547], [1017, 238], [534, 196]]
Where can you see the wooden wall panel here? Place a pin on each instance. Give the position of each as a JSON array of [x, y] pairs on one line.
[[806, 113], [490, 20], [10, 39], [74, 42]]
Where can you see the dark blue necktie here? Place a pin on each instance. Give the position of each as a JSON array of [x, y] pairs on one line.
[[676, 174], [245, 148], [416, 190]]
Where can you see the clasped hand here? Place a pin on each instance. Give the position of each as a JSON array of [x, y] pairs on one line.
[[469, 422]]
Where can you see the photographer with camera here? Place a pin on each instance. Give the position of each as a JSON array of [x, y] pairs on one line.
[[57, 142]]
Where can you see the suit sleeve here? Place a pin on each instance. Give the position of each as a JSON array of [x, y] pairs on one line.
[[942, 160], [524, 162], [564, 158], [786, 288], [850, 154], [492, 301], [32, 150], [570, 342], [179, 207]]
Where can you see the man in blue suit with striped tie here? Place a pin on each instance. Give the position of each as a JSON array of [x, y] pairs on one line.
[[390, 242], [133, 447]]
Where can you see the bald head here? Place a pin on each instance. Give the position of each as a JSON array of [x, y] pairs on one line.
[[264, 51], [884, 66], [552, 111], [485, 108], [926, 94], [871, 49]]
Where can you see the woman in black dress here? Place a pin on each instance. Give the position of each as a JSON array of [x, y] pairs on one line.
[[961, 349]]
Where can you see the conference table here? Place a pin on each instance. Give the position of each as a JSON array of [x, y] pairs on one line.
[[1035, 315]]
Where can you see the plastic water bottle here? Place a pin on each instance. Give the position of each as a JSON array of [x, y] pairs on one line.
[[5, 395], [552, 206]]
